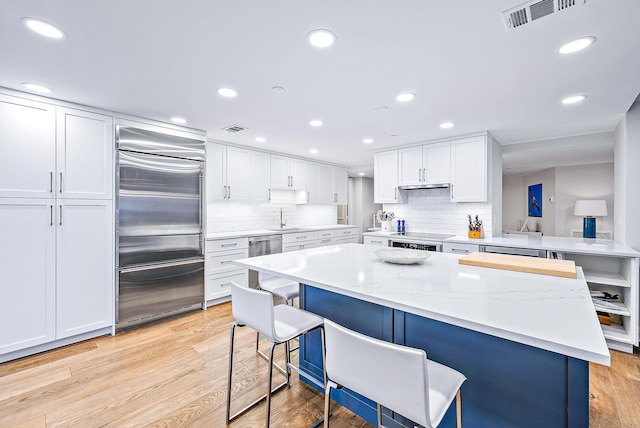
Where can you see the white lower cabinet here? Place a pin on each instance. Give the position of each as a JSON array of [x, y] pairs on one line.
[[27, 262], [462, 249], [85, 260], [375, 240], [219, 271], [58, 270], [299, 241]]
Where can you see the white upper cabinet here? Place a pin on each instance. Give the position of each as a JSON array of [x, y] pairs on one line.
[[260, 173], [236, 174], [216, 173], [33, 135], [385, 173], [424, 165], [315, 182], [287, 173], [340, 185], [84, 154], [469, 170], [327, 194], [27, 144]]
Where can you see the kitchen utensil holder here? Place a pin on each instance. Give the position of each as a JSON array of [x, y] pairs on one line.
[[387, 225]]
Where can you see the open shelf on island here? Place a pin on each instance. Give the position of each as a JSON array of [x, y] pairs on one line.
[[616, 332], [607, 278]]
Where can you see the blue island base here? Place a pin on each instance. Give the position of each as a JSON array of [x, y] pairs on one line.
[[509, 384]]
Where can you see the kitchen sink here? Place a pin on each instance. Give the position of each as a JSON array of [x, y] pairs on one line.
[[291, 229]]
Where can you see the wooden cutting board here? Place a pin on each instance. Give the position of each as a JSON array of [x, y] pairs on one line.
[[563, 268]]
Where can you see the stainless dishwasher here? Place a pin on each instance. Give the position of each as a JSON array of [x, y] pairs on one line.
[[261, 246]]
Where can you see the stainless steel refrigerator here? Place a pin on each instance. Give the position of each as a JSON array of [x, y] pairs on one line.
[[159, 224]]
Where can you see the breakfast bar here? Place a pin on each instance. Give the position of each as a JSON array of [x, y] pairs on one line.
[[524, 341]]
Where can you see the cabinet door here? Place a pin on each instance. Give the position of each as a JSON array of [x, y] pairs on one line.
[[410, 166], [280, 178], [216, 173], [385, 177], [85, 266], [297, 169], [340, 185], [238, 170], [260, 176], [326, 185], [469, 170], [27, 262], [313, 179], [85, 149], [27, 144], [437, 163]]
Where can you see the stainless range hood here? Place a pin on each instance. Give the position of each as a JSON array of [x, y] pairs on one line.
[[425, 186]]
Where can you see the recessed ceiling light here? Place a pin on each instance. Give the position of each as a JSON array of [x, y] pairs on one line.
[[577, 45], [316, 123], [393, 135], [179, 120], [260, 139], [37, 88], [277, 89], [43, 28], [321, 38], [226, 92], [447, 125], [313, 151], [574, 99], [361, 174], [368, 140], [405, 96]]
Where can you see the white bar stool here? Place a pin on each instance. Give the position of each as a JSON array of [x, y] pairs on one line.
[[394, 376], [284, 288], [281, 323]]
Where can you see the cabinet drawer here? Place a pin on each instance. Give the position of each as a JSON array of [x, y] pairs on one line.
[[375, 240], [221, 261], [290, 238], [323, 242], [346, 240], [324, 234], [300, 246], [338, 233], [451, 247], [227, 244], [217, 286]]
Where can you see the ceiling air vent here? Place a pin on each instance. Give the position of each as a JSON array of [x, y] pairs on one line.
[[535, 9], [234, 128]]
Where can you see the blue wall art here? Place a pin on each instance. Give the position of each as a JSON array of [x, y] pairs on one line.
[[535, 200]]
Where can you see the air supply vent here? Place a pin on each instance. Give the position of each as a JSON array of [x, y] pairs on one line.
[[535, 9], [234, 128]]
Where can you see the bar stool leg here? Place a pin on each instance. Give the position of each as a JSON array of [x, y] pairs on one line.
[[327, 403], [228, 412], [458, 409], [272, 346], [379, 411]]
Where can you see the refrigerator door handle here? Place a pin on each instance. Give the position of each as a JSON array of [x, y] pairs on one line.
[[162, 265], [60, 182]]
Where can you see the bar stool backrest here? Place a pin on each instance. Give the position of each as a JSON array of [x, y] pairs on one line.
[[253, 308], [394, 376]]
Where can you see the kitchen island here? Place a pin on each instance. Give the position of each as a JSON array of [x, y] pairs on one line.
[[523, 340]]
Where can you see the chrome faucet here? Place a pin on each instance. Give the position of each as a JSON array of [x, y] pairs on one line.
[[282, 223]]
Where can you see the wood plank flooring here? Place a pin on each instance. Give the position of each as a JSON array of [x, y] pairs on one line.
[[174, 374]]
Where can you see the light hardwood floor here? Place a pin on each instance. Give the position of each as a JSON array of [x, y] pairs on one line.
[[174, 373]]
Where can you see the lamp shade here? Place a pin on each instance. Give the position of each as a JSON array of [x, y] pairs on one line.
[[591, 208]]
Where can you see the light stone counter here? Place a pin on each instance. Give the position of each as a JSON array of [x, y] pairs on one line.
[[260, 232], [546, 312]]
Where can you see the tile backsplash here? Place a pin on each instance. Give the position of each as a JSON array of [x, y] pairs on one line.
[[431, 211], [236, 216]]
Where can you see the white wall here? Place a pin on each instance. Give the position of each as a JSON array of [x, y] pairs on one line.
[[627, 178], [361, 206], [547, 223], [431, 211], [236, 216], [514, 202], [583, 182]]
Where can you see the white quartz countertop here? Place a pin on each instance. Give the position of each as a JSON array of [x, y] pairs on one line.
[[261, 232], [605, 247], [543, 311]]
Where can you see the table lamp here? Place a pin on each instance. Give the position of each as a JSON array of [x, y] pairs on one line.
[[590, 209]]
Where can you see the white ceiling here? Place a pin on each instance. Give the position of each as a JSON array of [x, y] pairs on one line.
[[158, 59]]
